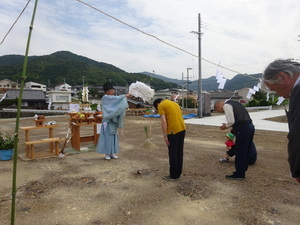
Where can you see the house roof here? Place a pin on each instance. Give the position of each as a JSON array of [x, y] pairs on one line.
[[26, 95], [34, 83], [7, 80], [64, 84]]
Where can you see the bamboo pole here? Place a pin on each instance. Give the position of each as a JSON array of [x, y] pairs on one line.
[[15, 160]]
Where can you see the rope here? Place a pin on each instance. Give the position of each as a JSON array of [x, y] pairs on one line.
[[10, 29]]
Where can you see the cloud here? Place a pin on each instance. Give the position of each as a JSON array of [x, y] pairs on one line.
[[243, 36]]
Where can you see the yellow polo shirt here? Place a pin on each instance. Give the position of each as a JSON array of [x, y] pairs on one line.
[[173, 115]]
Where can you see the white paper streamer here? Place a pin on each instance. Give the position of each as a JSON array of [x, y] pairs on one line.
[[4, 96], [221, 80], [280, 100], [268, 96], [85, 94], [50, 103], [222, 83], [249, 95], [141, 90]]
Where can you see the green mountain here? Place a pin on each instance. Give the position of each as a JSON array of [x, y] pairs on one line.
[[236, 83], [240, 81], [65, 66]]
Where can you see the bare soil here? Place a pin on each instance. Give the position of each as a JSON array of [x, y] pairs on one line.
[[85, 189]]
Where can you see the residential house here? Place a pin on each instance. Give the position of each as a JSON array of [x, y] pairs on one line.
[[59, 99], [8, 84], [79, 88], [243, 93], [164, 94], [35, 86], [32, 99], [63, 87], [222, 95], [175, 94]]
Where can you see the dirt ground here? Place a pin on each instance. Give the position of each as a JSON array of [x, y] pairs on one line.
[[85, 189]]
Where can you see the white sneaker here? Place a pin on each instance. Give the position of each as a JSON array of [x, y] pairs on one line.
[[224, 160], [113, 156], [107, 157]]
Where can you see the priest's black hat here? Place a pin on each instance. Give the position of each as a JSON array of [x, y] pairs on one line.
[[107, 86]]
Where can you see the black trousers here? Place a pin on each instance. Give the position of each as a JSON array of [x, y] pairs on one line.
[[245, 148], [176, 153]]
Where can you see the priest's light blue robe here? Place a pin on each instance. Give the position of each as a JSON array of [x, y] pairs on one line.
[[113, 111]]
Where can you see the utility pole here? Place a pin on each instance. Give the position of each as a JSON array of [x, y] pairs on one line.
[[200, 113], [48, 85], [182, 98], [187, 85]]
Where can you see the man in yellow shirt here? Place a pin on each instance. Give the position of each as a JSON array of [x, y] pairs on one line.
[[173, 128]]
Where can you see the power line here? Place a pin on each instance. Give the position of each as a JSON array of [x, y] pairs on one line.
[[10, 29], [235, 34], [153, 36]]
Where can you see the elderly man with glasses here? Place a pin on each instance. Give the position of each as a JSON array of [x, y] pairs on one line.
[[283, 77]]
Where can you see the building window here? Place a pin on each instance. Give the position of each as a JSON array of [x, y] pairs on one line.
[[62, 98]]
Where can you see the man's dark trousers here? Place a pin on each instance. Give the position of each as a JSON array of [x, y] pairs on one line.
[[176, 153], [243, 145]]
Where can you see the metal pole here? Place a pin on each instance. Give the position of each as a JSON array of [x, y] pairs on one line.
[[14, 180], [200, 113], [200, 104], [182, 98], [187, 86]]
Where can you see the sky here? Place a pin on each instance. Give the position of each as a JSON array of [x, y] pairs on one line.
[[160, 36]]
